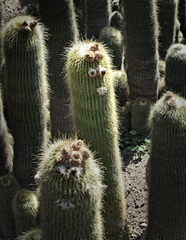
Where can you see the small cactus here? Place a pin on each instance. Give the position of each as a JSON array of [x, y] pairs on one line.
[[70, 192]]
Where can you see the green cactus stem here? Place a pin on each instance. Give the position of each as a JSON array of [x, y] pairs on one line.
[[59, 17], [94, 113], [25, 210], [26, 91], [70, 192], [140, 112], [140, 29], [34, 234], [167, 16], [166, 171], [8, 188], [175, 70], [97, 17]]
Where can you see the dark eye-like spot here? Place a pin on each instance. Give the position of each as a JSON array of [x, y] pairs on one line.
[[92, 72], [103, 72]]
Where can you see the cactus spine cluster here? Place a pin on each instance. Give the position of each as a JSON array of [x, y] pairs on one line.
[[175, 69], [166, 173], [70, 192], [34, 234], [141, 48], [25, 210], [93, 108], [59, 17], [26, 89], [8, 188]]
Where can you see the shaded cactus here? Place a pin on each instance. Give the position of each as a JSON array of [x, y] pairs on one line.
[[8, 188], [167, 16], [93, 108], [161, 83], [140, 29], [97, 17], [175, 71], [59, 17], [25, 210], [26, 88], [140, 112], [116, 20], [70, 192], [35, 234], [166, 173]]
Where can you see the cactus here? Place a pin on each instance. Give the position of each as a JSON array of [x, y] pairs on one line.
[[140, 112], [113, 38], [116, 20], [6, 156], [166, 174], [161, 83], [167, 16], [34, 234], [141, 48], [8, 188], [26, 91], [93, 109], [70, 192], [97, 17], [25, 210], [175, 70], [59, 17]]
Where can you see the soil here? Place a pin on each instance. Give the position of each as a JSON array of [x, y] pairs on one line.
[[134, 166]]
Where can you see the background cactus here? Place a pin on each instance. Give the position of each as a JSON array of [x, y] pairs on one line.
[[93, 108], [59, 17], [166, 173], [141, 48], [167, 17], [8, 188], [70, 192], [25, 210], [35, 234], [26, 91], [175, 70]]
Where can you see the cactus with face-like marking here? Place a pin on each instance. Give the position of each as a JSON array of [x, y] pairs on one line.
[[26, 91], [166, 171], [93, 108], [25, 210], [8, 188], [70, 192]]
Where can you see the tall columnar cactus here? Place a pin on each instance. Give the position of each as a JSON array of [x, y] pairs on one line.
[[97, 17], [6, 156], [26, 88], [93, 108], [70, 192], [141, 47], [167, 16], [175, 70], [140, 112], [25, 210], [8, 188], [34, 234], [166, 174], [59, 17]]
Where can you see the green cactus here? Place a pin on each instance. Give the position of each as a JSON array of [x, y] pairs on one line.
[[161, 83], [25, 210], [140, 29], [97, 17], [59, 17], [167, 16], [175, 70], [113, 38], [34, 234], [8, 188], [121, 86], [140, 112], [26, 91], [166, 172], [70, 192], [93, 108], [6, 156]]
